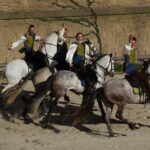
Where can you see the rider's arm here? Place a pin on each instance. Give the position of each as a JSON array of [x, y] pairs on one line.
[[70, 53], [19, 41], [61, 38], [127, 49]]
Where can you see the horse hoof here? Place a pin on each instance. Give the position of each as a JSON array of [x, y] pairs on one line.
[[111, 134], [46, 125], [137, 126], [27, 120], [134, 126]]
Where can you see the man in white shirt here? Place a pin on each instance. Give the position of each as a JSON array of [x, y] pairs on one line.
[[79, 49], [28, 40], [77, 54], [35, 60], [126, 52]]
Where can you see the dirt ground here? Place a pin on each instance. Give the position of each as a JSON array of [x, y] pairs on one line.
[[63, 136]]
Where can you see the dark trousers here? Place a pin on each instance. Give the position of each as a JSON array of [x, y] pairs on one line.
[[126, 62], [81, 70], [143, 77]]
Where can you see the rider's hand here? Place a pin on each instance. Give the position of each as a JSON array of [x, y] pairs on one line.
[[92, 59], [42, 41], [71, 65], [63, 25]]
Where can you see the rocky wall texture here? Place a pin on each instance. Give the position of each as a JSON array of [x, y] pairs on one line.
[[108, 33], [13, 5]]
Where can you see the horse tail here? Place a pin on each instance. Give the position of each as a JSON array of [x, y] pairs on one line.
[[86, 107], [12, 95]]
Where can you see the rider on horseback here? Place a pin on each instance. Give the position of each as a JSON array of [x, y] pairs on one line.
[[141, 76], [28, 39], [76, 56]]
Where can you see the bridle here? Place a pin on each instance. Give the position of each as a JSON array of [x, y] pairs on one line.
[[105, 69], [92, 49]]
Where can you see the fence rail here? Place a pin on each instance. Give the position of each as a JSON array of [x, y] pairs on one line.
[[145, 57]]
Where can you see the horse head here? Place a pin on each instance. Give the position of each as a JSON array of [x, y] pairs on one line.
[[50, 46], [106, 63], [93, 51], [104, 66]]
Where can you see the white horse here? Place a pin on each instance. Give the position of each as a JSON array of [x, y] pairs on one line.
[[17, 69], [119, 92], [59, 83], [40, 76]]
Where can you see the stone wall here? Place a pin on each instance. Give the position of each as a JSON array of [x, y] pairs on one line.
[[113, 29], [13, 5]]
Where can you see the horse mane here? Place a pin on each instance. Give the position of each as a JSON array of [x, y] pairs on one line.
[[101, 56]]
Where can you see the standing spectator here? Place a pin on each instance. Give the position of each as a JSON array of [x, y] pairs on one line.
[[129, 54], [126, 51]]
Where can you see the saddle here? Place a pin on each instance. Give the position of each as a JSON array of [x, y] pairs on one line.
[[137, 86]]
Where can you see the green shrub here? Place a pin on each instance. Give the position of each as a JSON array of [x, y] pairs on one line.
[[119, 67]]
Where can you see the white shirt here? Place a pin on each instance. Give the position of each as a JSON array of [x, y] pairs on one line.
[[72, 50], [127, 49], [21, 40]]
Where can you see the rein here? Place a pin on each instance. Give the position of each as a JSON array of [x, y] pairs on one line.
[[92, 49], [104, 69]]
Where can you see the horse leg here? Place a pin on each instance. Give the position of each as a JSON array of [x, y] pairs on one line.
[[33, 108], [120, 116], [55, 95], [8, 86], [101, 107], [52, 105], [109, 108]]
